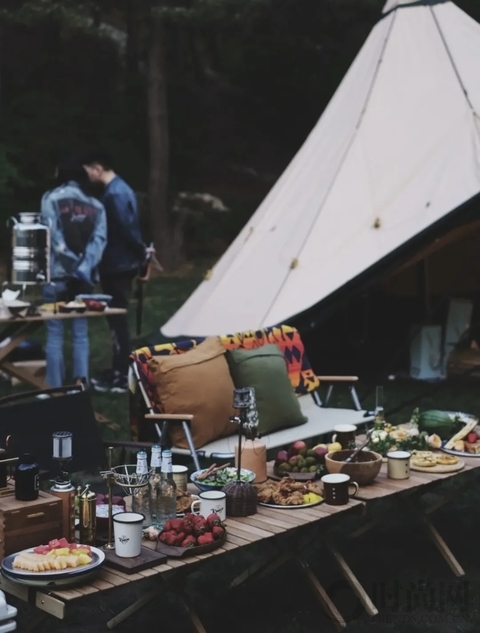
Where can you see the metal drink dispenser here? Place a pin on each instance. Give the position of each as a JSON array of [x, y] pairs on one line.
[[30, 258]]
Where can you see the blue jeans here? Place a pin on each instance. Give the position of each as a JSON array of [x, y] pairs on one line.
[[55, 330]]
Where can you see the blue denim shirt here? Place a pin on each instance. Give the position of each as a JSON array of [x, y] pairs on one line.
[[78, 232], [125, 250]]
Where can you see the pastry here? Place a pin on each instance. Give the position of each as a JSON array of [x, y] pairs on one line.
[[424, 459], [447, 460]]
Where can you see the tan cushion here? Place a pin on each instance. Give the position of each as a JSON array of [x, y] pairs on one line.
[[197, 382]]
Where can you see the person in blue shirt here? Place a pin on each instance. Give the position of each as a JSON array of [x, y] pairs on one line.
[[78, 233], [124, 254]]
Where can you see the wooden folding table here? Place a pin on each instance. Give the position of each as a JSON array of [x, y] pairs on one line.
[[16, 330]]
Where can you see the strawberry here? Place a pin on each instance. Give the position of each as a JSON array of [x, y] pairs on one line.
[[179, 538], [170, 539], [163, 537], [191, 517], [213, 520], [168, 526], [472, 438], [205, 539], [176, 525], [200, 527], [187, 526], [189, 541], [217, 532]]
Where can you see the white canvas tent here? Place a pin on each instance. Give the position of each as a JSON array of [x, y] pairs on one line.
[[396, 150]]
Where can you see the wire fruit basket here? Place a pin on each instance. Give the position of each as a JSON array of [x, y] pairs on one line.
[[126, 477]]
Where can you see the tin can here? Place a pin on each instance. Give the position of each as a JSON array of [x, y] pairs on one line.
[[66, 492], [87, 506]]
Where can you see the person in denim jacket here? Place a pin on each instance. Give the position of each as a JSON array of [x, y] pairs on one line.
[[78, 234]]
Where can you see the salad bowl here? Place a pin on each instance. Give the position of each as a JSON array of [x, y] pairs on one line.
[[218, 480]]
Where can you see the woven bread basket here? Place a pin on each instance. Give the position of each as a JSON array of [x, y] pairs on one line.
[[241, 499]]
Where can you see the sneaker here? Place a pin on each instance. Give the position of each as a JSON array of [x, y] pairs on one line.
[[117, 384], [105, 377]]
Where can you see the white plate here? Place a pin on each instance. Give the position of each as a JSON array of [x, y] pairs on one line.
[[7, 564], [303, 506]]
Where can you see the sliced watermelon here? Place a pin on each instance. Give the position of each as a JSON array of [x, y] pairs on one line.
[[63, 543], [55, 544], [41, 549]]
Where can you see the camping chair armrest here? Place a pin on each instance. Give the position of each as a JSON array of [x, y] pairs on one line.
[[169, 416], [338, 378]]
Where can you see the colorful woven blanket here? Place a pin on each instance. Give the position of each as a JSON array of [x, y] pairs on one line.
[[287, 338]]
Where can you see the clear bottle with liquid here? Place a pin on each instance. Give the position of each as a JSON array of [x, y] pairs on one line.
[[155, 473], [379, 420], [165, 493], [142, 496]]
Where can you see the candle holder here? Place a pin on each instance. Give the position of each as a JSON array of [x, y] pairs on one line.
[[110, 544], [241, 496]]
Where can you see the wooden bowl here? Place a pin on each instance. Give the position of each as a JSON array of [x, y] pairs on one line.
[[363, 470]]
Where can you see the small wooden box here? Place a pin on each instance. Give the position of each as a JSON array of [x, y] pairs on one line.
[[26, 524]]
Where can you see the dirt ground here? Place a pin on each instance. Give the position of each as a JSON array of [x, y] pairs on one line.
[[401, 570]]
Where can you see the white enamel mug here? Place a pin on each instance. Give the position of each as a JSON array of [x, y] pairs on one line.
[[211, 502], [398, 464], [128, 531]]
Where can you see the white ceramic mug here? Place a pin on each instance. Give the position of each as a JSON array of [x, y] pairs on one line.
[[211, 502], [398, 464], [180, 477], [128, 531]]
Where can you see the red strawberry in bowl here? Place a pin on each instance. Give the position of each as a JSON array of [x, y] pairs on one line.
[[213, 520]]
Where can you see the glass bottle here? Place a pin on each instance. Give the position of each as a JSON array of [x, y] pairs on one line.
[[165, 493], [27, 480], [142, 496], [379, 420], [155, 473]]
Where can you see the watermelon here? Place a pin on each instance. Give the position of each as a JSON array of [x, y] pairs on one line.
[[438, 423], [41, 549]]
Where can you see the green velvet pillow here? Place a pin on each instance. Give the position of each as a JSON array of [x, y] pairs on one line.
[[265, 370]]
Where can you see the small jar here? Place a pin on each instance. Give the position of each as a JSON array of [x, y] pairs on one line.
[[27, 479]]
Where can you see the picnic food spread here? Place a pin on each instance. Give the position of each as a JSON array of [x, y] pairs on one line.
[[57, 555], [299, 459], [288, 492], [194, 530]]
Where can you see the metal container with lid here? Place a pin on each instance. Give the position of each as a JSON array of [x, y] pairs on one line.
[[87, 510], [30, 261]]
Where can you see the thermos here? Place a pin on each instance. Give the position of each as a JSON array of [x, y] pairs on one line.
[[27, 479], [87, 509], [66, 492]]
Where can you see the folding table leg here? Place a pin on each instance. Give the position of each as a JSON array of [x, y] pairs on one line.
[[352, 580], [443, 548], [250, 572], [356, 401], [133, 608], [321, 595], [328, 396]]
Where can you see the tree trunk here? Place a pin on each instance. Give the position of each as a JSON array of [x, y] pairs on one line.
[[159, 145]]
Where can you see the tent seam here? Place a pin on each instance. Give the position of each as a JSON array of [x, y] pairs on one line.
[[452, 61], [342, 162]]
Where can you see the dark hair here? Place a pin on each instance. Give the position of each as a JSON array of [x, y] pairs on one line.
[[70, 168], [98, 157]]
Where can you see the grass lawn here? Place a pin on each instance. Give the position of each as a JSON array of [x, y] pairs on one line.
[[399, 567]]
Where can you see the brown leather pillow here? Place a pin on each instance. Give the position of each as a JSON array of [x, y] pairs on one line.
[[197, 382]]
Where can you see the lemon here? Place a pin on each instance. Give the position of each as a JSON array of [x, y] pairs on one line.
[[333, 448], [311, 497]]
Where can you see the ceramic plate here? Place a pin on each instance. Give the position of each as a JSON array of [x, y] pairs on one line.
[[53, 582], [99, 297], [302, 507], [464, 417], [7, 565]]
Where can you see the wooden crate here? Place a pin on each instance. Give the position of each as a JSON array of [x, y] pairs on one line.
[[26, 524]]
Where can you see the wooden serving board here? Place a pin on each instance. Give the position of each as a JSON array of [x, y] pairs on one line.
[[440, 468], [148, 558]]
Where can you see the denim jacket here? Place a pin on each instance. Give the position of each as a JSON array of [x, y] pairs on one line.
[[78, 232], [125, 250]]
